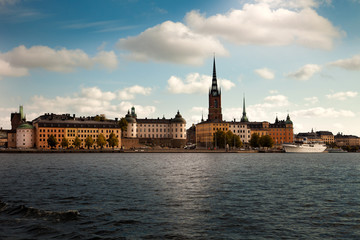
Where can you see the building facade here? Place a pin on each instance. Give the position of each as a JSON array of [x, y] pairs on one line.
[[158, 131], [25, 136], [347, 140], [326, 136], [70, 127]]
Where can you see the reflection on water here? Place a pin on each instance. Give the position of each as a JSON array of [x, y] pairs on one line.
[[179, 196]]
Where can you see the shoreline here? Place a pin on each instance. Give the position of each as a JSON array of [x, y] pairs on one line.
[[19, 151]]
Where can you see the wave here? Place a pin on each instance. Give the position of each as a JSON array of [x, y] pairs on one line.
[[30, 212]]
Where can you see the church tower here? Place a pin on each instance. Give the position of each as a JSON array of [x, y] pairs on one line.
[[215, 114], [244, 118]]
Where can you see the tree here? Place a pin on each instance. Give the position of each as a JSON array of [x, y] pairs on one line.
[[101, 141], [89, 141], [266, 141], [123, 124], [254, 140], [233, 140], [77, 142], [64, 143], [219, 139], [113, 140], [52, 141]]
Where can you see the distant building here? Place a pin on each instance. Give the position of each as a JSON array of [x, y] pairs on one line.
[[17, 119], [191, 134], [206, 129], [346, 140], [3, 138], [70, 127], [159, 131], [309, 136], [280, 131], [25, 136], [326, 136]]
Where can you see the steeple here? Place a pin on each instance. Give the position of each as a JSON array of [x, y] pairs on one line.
[[244, 117], [214, 86], [215, 114]]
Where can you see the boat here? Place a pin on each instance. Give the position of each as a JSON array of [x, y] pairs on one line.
[[304, 147], [336, 150]]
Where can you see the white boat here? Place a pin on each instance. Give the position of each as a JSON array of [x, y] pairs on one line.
[[304, 147]]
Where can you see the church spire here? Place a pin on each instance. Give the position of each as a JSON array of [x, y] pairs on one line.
[[214, 86], [244, 117]]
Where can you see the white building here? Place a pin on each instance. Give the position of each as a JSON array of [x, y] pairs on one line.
[[240, 129], [25, 136], [156, 129]]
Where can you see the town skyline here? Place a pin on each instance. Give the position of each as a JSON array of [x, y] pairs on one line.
[[291, 57]]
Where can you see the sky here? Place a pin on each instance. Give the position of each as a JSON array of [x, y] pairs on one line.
[[89, 57]]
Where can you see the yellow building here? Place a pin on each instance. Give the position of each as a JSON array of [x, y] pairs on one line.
[[205, 131], [70, 127], [326, 136]]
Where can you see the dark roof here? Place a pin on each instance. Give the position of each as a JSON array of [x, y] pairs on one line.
[[67, 121], [324, 133]]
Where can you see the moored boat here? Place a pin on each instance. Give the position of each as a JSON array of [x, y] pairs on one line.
[[304, 147]]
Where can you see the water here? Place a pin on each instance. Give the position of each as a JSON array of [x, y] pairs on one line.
[[179, 196]]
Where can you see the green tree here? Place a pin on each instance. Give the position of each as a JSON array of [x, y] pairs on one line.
[[64, 143], [254, 140], [219, 139], [101, 141], [233, 140], [113, 140], [123, 124], [97, 118], [52, 141], [89, 141], [77, 142], [266, 141]]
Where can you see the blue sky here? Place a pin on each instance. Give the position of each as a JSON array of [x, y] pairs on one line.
[[102, 57]]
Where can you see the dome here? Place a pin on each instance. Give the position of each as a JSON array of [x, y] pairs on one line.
[[129, 118], [288, 121], [25, 126], [178, 118]]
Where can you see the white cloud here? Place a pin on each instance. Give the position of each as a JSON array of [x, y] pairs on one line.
[[259, 24], [306, 72], [348, 64], [312, 100], [276, 101], [293, 4], [62, 60], [130, 92], [342, 95], [265, 73], [10, 71], [195, 83], [323, 113], [273, 91], [88, 102], [96, 93], [173, 42]]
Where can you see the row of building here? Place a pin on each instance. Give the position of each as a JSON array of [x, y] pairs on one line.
[[156, 132], [281, 130], [34, 134], [329, 138]]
